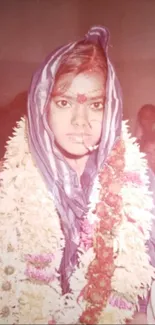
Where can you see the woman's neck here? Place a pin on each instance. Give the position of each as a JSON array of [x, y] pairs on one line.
[[78, 164]]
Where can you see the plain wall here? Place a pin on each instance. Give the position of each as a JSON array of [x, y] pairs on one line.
[[30, 29]]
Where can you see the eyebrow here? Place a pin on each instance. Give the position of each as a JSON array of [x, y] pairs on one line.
[[75, 97]]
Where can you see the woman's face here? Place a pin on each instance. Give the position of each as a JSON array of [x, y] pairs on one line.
[[148, 120], [76, 112]]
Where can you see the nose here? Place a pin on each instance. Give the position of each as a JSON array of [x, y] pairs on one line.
[[80, 117]]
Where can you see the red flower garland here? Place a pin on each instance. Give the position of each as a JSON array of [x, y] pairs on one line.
[[100, 271]]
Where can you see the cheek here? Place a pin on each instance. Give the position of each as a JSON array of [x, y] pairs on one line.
[[96, 123], [58, 124], [56, 119], [96, 119], [97, 129]]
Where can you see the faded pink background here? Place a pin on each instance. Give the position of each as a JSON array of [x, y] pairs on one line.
[[30, 29]]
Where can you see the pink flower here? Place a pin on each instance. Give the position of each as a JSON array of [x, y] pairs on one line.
[[52, 321], [86, 242], [86, 227], [39, 260], [114, 201], [86, 234], [141, 230], [120, 302], [132, 177], [39, 275]]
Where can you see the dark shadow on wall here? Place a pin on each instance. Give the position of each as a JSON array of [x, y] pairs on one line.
[[9, 115]]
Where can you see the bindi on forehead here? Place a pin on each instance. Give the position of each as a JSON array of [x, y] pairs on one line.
[[81, 98]]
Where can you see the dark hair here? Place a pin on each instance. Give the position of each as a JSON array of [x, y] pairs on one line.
[[85, 56], [145, 108]]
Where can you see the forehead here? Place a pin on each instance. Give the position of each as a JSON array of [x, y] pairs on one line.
[[84, 83]]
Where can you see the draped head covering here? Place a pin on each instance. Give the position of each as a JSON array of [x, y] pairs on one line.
[[60, 179]]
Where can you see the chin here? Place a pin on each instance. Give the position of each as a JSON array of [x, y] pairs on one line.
[[72, 150], [76, 152]]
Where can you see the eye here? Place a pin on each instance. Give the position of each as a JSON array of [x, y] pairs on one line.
[[97, 106], [63, 103]]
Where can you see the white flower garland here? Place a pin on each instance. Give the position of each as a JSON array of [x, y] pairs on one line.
[[29, 226]]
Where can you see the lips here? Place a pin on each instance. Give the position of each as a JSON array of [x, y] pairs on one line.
[[78, 134], [76, 137]]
